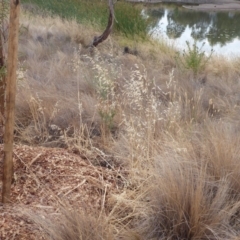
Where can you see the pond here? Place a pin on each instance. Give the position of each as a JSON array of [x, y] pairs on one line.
[[219, 31]]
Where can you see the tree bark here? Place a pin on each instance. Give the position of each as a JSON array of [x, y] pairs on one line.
[[10, 99], [2, 83], [109, 27]]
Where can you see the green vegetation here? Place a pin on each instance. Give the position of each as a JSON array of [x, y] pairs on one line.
[[82, 10], [128, 18], [194, 58]]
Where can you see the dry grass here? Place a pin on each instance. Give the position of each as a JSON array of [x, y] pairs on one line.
[[73, 225], [175, 135], [193, 189], [186, 204]]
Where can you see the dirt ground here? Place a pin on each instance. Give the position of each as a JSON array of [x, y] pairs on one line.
[[214, 5], [219, 5], [44, 179]]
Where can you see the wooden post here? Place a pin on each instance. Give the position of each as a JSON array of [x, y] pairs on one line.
[[3, 15], [10, 99], [2, 83]]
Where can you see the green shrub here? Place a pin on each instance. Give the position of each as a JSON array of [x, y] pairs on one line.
[[194, 58]]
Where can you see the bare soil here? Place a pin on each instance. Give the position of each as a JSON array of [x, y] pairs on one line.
[[222, 5], [214, 5], [45, 179]]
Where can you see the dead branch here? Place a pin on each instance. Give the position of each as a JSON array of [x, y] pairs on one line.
[[104, 36]]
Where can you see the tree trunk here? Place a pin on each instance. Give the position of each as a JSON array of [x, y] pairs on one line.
[[2, 83], [10, 99]]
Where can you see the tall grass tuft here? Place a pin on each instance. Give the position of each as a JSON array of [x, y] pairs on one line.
[[73, 225], [186, 204], [217, 147]]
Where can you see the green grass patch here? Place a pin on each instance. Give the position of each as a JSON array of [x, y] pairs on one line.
[[81, 10], [130, 22], [129, 19]]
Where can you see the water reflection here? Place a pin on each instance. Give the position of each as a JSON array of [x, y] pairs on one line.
[[219, 30]]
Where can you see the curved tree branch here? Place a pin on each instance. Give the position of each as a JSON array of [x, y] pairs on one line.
[[109, 27]]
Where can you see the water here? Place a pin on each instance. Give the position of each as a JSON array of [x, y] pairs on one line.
[[219, 31]]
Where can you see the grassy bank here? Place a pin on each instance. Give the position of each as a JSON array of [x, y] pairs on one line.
[[128, 17], [165, 123]]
